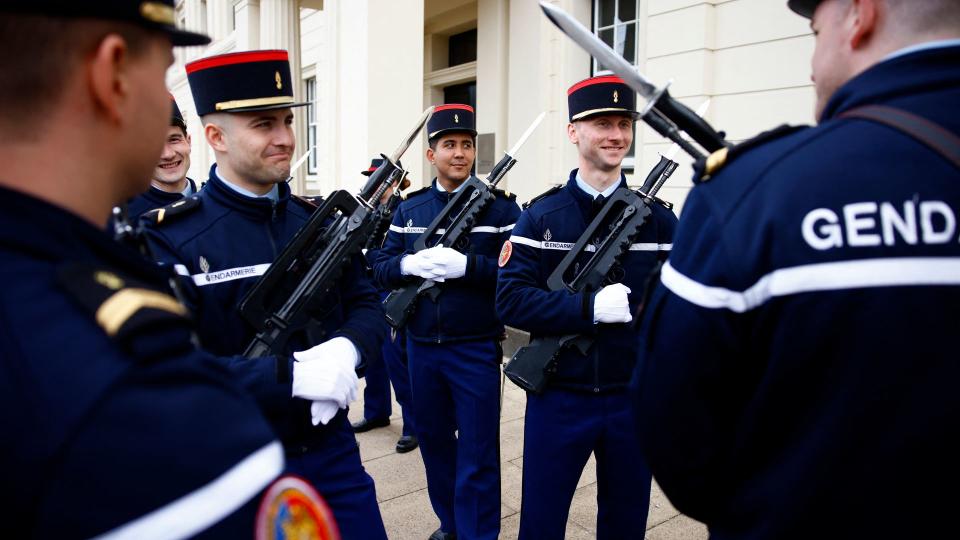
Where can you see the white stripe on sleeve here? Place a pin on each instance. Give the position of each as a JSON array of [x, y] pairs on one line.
[[514, 239], [843, 275], [197, 511]]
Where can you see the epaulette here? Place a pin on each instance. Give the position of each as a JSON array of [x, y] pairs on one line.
[[308, 203], [541, 196], [704, 169], [126, 309], [504, 193], [418, 192], [172, 211]]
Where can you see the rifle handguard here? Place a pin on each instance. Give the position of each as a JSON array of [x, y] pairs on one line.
[[306, 271]]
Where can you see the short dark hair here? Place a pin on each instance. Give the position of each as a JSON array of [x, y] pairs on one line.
[[432, 142], [34, 76], [180, 124]]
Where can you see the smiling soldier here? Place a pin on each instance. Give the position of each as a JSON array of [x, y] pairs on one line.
[[584, 408], [453, 341], [169, 183]]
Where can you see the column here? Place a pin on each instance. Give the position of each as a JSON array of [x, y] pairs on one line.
[[492, 39], [248, 24]]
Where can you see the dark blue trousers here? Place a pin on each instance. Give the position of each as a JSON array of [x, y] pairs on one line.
[[561, 430], [333, 467], [456, 403], [390, 367]]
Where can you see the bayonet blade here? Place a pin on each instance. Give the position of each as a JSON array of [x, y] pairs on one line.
[[601, 51], [526, 135], [412, 136], [300, 161]]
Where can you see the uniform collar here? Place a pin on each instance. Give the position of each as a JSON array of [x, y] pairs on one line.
[[190, 189], [443, 194], [438, 187], [584, 200], [165, 197], [904, 73], [589, 190], [928, 46], [258, 207]]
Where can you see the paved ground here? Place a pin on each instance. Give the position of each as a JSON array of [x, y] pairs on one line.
[[402, 485]]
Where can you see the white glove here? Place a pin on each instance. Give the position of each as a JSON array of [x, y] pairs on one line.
[[611, 304], [327, 372], [417, 264], [322, 411], [449, 262]]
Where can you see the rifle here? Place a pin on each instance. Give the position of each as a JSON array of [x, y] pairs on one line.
[[452, 224], [383, 217], [624, 214], [311, 264]]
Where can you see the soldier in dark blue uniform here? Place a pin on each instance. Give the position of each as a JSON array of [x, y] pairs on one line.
[[585, 408], [223, 238], [453, 345], [114, 424], [169, 183], [391, 365], [798, 372]]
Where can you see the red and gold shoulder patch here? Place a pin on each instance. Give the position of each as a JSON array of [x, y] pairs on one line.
[[292, 509], [505, 254]]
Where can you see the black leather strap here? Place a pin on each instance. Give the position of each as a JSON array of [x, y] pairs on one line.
[[933, 135]]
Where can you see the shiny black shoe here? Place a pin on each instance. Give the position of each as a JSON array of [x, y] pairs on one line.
[[440, 535], [407, 443], [366, 425]]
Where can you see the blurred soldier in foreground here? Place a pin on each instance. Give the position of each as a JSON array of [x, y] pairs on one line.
[[114, 424], [798, 369]]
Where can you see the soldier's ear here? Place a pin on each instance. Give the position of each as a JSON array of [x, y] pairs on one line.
[[572, 133], [216, 136], [863, 21], [430, 155], [108, 76]]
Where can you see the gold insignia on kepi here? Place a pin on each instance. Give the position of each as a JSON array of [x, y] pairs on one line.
[[157, 12], [456, 119], [616, 96], [276, 77], [109, 280], [292, 510]]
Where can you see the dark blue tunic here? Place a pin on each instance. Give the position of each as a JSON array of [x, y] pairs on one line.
[[464, 311], [108, 411]]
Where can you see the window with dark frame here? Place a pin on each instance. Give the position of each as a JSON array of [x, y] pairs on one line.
[[615, 22]]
